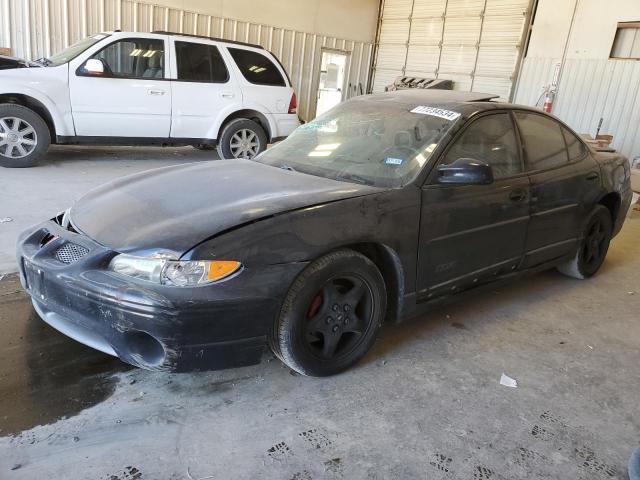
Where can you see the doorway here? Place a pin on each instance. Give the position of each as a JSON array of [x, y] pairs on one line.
[[332, 76]]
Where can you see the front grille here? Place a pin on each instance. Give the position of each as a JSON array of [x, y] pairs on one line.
[[70, 253]]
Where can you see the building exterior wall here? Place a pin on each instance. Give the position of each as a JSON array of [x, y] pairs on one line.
[[296, 35], [591, 86]]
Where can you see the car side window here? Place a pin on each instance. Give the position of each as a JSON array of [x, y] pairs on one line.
[[199, 62], [133, 58], [257, 68], [491, 140], [575, 147], [542, 140]]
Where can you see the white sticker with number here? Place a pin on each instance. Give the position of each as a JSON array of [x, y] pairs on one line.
[[437, 112]]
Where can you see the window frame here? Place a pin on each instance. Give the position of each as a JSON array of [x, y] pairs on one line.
[[206, 44], [80, 73], [623, 26], [273, 60], [561, 125], [432, 178]]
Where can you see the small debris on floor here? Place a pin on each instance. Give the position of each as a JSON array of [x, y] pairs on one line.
[[6, 220], [508, 381]]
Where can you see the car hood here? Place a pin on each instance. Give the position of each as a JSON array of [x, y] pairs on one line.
[[7, 63], [172, 209]]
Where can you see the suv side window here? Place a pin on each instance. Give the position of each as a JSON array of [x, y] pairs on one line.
[[133, 58], [575, 147], [199, 62], [492, 140], [257, 68], [542, 140]]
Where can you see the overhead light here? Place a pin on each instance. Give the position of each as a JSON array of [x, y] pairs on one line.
[[327, 146], [324, 153]]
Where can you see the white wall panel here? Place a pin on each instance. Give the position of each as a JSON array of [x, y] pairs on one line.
[[37, 28], [476, 43], [589, 90]]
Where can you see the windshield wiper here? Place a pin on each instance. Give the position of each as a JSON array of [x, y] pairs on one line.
[[287, 167], [353, 178]]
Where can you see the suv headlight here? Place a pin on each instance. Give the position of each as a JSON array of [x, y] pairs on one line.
[[191, 273]]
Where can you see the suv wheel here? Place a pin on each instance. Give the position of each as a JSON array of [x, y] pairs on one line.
[[24, 136], [242, 138]]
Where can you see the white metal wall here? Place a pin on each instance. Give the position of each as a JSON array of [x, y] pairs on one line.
[[37, 28], [588, 91], [476, 43]]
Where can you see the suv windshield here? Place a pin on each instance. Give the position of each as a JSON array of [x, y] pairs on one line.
[[72, 51], [366, 140]]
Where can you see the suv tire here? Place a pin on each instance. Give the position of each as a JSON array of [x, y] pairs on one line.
[[24, 136], [241, 138]]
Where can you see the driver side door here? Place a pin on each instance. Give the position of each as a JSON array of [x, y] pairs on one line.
[[130, 98], [470, 234]]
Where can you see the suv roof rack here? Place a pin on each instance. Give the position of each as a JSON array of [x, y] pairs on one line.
[[163, 32]]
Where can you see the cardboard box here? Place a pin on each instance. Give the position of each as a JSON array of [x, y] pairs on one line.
[[5, 51], [600, 142]]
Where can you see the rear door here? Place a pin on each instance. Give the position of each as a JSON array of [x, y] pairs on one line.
[[205, 90], [562, 186], [131, 98], [470, 234]]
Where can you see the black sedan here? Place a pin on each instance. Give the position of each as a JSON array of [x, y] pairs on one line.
[[373, 212]]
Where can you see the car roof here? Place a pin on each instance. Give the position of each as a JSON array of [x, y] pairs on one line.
[[204, 37]]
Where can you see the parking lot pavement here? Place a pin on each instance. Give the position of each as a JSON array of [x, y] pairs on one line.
[[31, 195]]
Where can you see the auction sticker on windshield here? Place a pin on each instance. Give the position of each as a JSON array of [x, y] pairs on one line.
[[436, 112]]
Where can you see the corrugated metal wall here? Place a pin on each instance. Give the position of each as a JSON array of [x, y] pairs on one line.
[[475, 43], [37, 28], [588, 91]]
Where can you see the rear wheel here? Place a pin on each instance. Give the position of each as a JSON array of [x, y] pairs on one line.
[[331, 314], [24, 136], [241, 138], [593, 246]]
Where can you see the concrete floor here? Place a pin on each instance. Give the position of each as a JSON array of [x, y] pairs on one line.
[[31, 195], [425, 403]]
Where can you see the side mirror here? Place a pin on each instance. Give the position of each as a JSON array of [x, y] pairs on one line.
[[466, 171], [93, 66]]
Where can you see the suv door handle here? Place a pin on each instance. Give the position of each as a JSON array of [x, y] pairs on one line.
[[227, 94], [518, 195], [156, 92], [593, 176]]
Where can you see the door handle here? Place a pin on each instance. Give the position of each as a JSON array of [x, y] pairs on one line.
[[518, 195], [593, 176], [227, 94], [156, 92]]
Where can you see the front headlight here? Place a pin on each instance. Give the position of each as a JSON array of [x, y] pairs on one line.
[[174, 272]]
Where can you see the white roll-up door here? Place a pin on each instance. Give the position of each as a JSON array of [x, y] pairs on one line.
[[475, 43]]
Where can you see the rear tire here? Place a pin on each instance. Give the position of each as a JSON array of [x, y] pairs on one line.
[[331, 315], [593, 246], [24, 136], [241, 138]]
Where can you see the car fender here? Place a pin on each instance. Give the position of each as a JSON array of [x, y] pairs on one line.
[[232, 110], [54, 96]]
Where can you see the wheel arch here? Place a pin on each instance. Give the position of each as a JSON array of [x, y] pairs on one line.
[[390, 266], [258, 117], [612, 202], [34, 104]]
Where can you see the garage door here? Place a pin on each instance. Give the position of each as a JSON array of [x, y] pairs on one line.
[[475, 43]]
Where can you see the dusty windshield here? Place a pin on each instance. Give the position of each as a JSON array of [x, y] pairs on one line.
[[370, 141], [73, 51]]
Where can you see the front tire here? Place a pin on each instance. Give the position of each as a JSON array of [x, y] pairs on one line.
[[24, 136], [241, 138], [331, 315], [593, 246]]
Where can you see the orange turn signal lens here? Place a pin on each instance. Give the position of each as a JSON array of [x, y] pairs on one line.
[[218, 269]]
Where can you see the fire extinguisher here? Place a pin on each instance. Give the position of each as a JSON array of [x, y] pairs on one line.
[[549, 96]]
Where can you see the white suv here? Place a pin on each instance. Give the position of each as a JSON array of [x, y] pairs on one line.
[[145, 89]]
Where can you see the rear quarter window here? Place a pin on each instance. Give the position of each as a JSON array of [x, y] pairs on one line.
[[257, 68]]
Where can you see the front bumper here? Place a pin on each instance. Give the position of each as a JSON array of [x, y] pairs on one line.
[[150, 326]]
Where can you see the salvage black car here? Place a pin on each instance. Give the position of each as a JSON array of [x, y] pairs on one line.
[[378, 209]]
